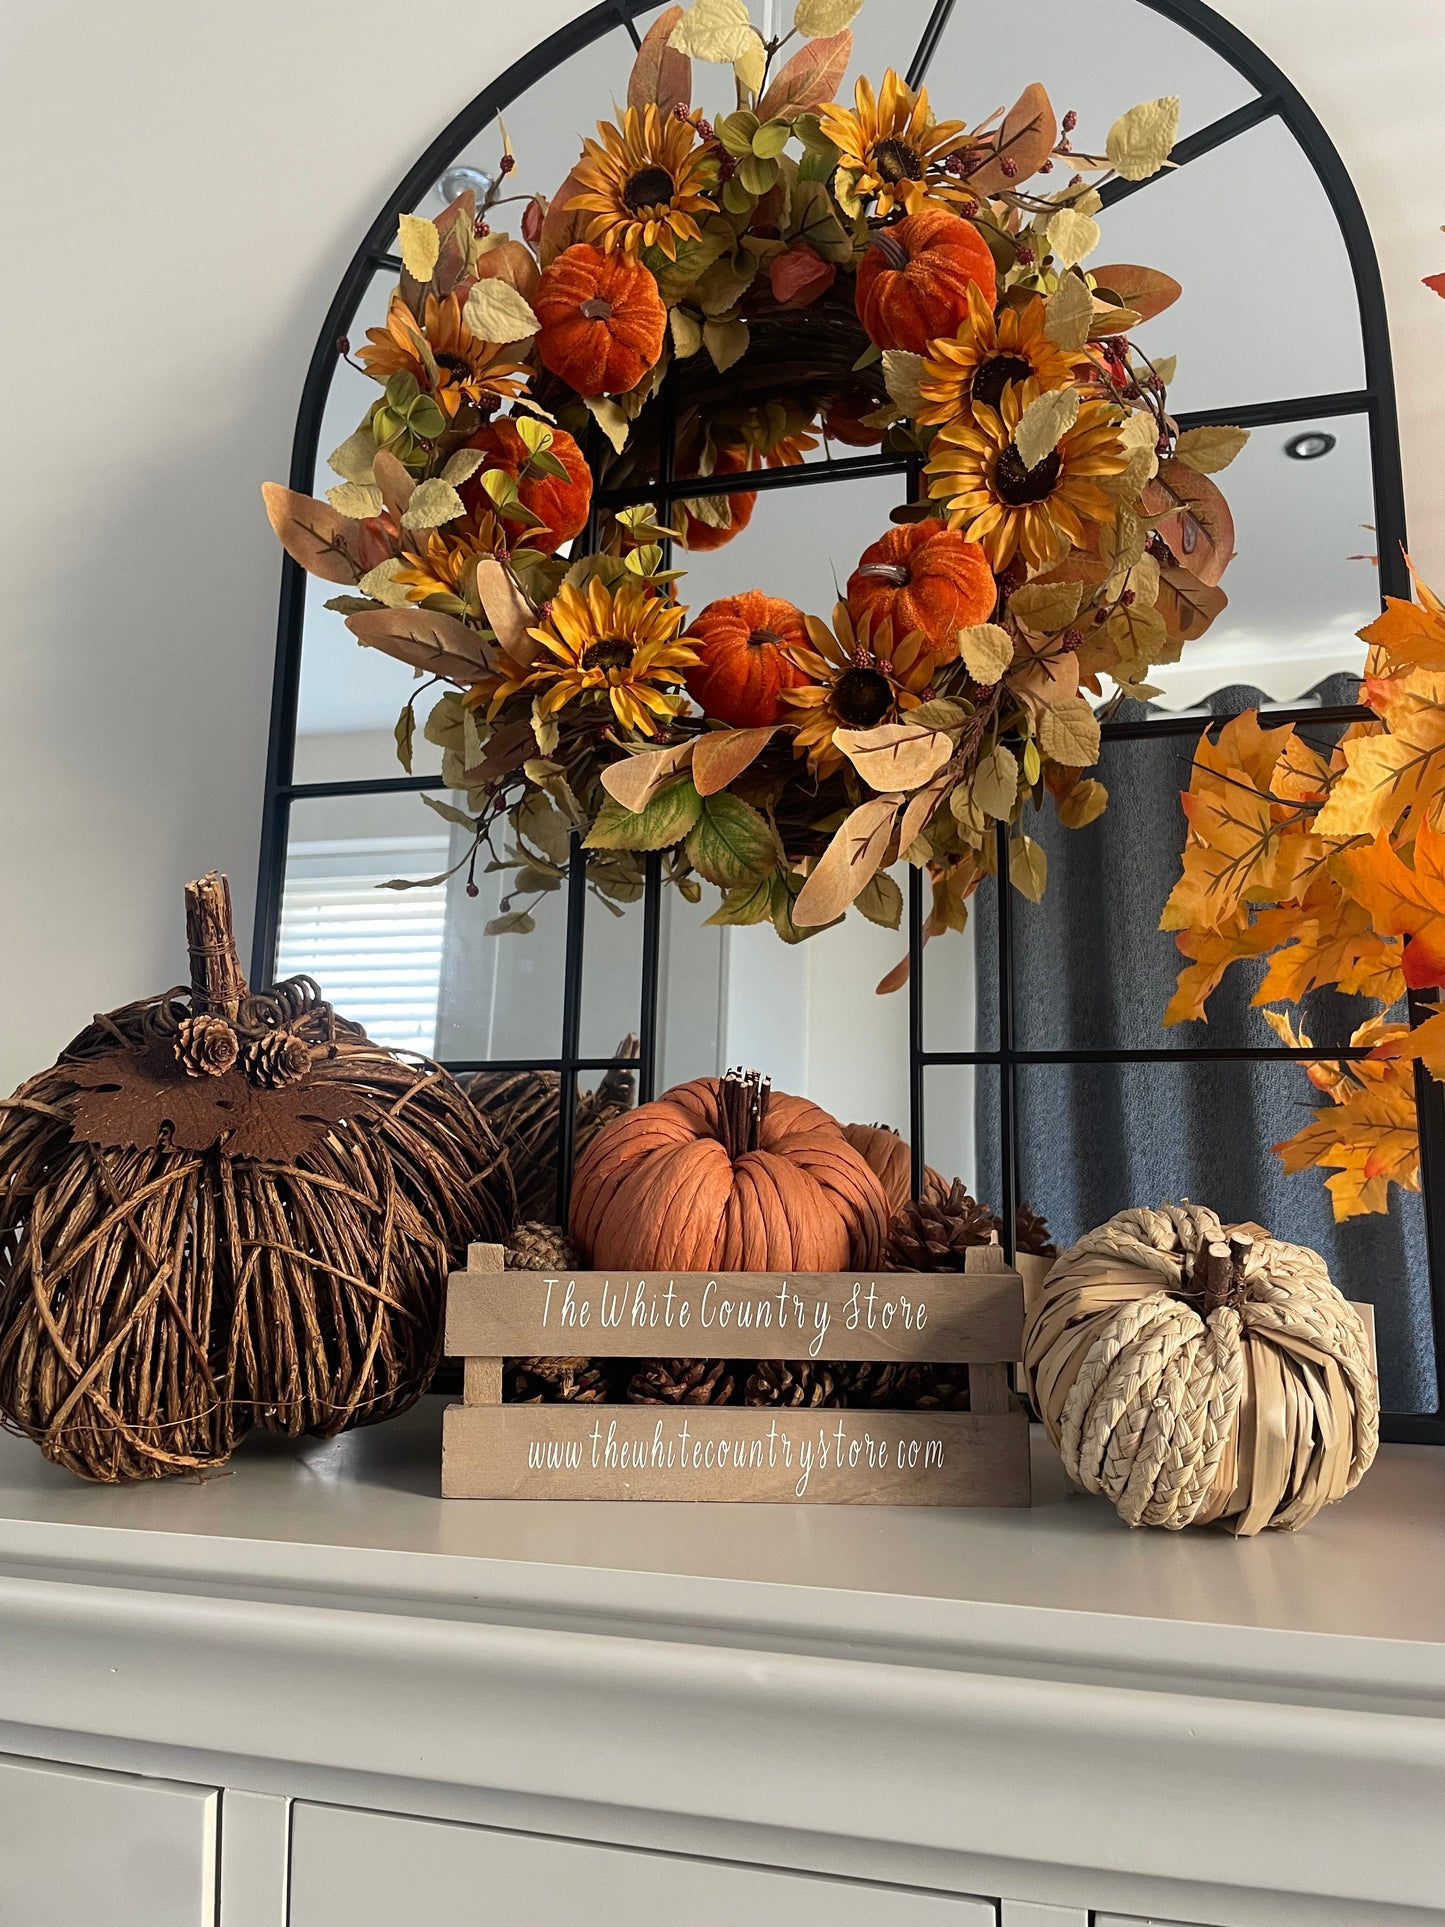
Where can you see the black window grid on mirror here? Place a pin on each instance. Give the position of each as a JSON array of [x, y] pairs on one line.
[[1275, 98]]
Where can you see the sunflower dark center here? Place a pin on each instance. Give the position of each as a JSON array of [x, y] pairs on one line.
[[1017, 485], [861, 698], [991, 377], [608, 652], [895, 160], [454, 364], [647, 187]]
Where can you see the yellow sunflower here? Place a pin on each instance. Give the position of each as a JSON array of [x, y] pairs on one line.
[[986, 354], [643, 183], [444, 356], [438, 573], [1039, 512], [858, 677], [624, 645], [888, 145]]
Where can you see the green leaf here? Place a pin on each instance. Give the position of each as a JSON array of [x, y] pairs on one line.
[[405, 736], [881, 901], [731, 843], [449, 813], [771, 138], [783, 895], [746, 904], [666, 820]]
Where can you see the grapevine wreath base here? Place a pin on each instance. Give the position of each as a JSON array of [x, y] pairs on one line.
[[798, 268]]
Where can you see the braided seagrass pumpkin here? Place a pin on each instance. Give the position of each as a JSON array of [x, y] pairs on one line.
[[726, 1174], [1195, 1372], [219, 1212]]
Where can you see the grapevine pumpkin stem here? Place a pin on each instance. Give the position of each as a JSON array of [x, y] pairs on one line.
[[743, 1099], [218, 982], [1218, 1272]]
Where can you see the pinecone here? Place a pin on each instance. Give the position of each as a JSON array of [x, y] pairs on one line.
[[553, 1381], [792, 1381], [941, 1388], [681, 1381], [1031, 1233], [277, 1059], [206, 1046], [881, 1386], [541, 1247], [935, 1233]]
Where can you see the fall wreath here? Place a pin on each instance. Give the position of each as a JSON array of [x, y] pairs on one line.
[[801, 269]]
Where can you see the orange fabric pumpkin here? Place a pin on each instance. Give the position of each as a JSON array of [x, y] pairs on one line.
[[697, 535], [562, 504], [913, 281], [723, 1175], [602, 319], [742, 642], [925, 577]]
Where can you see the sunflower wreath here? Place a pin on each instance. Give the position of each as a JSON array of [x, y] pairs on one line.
[[798, 269]]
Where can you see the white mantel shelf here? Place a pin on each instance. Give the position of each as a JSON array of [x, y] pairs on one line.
[[1001, 1702]]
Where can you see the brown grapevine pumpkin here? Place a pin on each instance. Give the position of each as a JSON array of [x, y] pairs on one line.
[[926, 577], [725, 1174], [913, 281], [696, 534], [561, 501], [742, 642], [602, 318]]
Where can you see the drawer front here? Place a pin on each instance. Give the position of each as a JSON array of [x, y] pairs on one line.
[[352, 1869], [86, 1849]]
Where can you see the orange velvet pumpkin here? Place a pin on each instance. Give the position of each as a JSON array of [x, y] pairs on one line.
[[603, 320], [743, 668], [723, 1175], [926, 577], [913, 281], [561, 502], [697, 535]]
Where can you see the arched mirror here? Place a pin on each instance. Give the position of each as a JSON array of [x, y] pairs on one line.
[[1027, 1054]]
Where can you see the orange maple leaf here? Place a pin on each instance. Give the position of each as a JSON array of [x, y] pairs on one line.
[[1406, 902], [1412, 633]]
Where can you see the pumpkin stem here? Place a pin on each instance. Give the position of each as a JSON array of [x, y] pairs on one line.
[[1218, 1272], [743, 1099], [218, 982], [895, 255], [596, 309], [891, 572]]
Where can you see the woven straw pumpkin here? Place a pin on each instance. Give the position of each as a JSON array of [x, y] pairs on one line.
[[1194, 1372], [725, 1174], [219, 1212]]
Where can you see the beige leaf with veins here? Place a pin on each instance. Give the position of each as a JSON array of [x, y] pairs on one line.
[[996, 783], [495, 311], [420, 245], [902, 372], [722, 754], [986, 650], [1072, 236], [636, 781], [507, 610], [1069, 733], [921, 806], [895, 756], [857, 850], [1046, 420]]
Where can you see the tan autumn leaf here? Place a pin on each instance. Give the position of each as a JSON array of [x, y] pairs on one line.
[[725, 341], [820, 19], [353, 459], [751, 64], [419, 244], [313, 533], [1196, 524], [809, 79], [494, 311], [1046, 606], [1069, 313], [1145, 290], [1084, 802], [382, 586], [1069, 733], [661, 76], [995, 787], [859, 848], [1207, 450], [1187, 605], [1025, 141], [610, 418], [723, 754], [425, 638], [986, 650], [1028, 868], [1072, 237], [921, 806], [895, 756], [713, 30], [395, 481], [462, 466], [902, 372], [1043, 424], [637, 779], [686, 333], [507, 610], [432, 505], [1139, 142], [356, 500]]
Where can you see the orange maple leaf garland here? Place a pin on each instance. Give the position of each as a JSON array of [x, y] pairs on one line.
[[1333, 867]]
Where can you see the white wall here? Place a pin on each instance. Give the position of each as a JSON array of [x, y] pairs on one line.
[[183, 185]]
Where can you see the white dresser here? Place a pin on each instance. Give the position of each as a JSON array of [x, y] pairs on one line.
[[308, 1693]]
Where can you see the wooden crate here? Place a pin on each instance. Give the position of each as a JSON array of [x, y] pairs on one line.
[[778, 1455]]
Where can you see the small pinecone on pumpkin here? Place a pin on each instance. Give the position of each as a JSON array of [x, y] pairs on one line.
[[681, 1381], [206, 1045], [1031, 1233], [792, 1381], [277, 1059], [541, 1247], [553, 1381], [934, 1233]]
